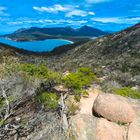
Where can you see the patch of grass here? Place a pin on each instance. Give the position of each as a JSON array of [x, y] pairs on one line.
[[121, 123], [127, 92], [72, 108], [50, 100]]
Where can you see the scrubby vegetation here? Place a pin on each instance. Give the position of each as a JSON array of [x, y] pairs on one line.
[[50, 100], [78, 81], [72, 105], [41, 72], [1, 102], [127, 92]]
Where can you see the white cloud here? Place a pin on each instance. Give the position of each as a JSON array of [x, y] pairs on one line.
[[76, 13], [15, 23], [69, 10], [107, 20], [2, 11], [30, 21], [118, 20], [54, 9], [97, 1], [91, 13], [79, 13]]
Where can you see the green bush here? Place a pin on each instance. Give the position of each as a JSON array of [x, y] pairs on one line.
[[40, 71], [127, 92], [83, 77], [50, 100], [77, 94], [78, 81]]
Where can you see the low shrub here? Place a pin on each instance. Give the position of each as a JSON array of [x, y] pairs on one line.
[[127, 92], [50, 100], [79, 81], [72, 108], [41, 72], [82, 78], [8, 66]]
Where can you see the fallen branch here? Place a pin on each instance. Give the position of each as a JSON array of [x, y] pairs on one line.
[[63, 112], [7, 103]]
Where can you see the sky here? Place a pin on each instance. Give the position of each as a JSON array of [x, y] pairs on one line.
[[107, 15]]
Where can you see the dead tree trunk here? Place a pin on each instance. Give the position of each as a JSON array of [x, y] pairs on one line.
[[7, 103], [63, 112]]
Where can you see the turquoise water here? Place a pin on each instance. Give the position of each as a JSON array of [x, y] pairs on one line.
[[37, 46]]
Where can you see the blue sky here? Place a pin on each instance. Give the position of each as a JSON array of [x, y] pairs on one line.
[[112, 15]]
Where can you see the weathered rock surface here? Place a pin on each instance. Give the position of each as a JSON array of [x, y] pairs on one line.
[[83, 127], [134, 131], [86, 127], [114, 108], [109, 131], [134, 128]]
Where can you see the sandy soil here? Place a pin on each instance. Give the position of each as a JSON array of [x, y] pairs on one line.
[[86, 103]]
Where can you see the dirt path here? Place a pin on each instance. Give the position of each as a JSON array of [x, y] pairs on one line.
[[86, 103]]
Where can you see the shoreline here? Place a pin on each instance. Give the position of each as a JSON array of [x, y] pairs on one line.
[[37, 40], [57, 50]]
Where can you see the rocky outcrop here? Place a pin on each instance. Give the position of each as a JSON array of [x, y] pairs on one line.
[[116, 119], [134, 128], [83, 127], [109, 131], [114, 108], [134, 131], [86, 127]]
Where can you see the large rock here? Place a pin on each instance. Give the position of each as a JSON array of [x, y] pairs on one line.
[[83, 127], [134, 128], [109, 131], [87, 127], [114, 108], [134, 131]]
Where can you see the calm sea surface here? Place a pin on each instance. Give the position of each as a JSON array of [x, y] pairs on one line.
[[37, 46]]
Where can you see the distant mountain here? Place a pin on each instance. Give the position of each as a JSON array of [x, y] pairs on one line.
[[90, 31], [35, 33]]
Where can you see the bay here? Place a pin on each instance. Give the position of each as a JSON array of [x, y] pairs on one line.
[[37, 46]]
